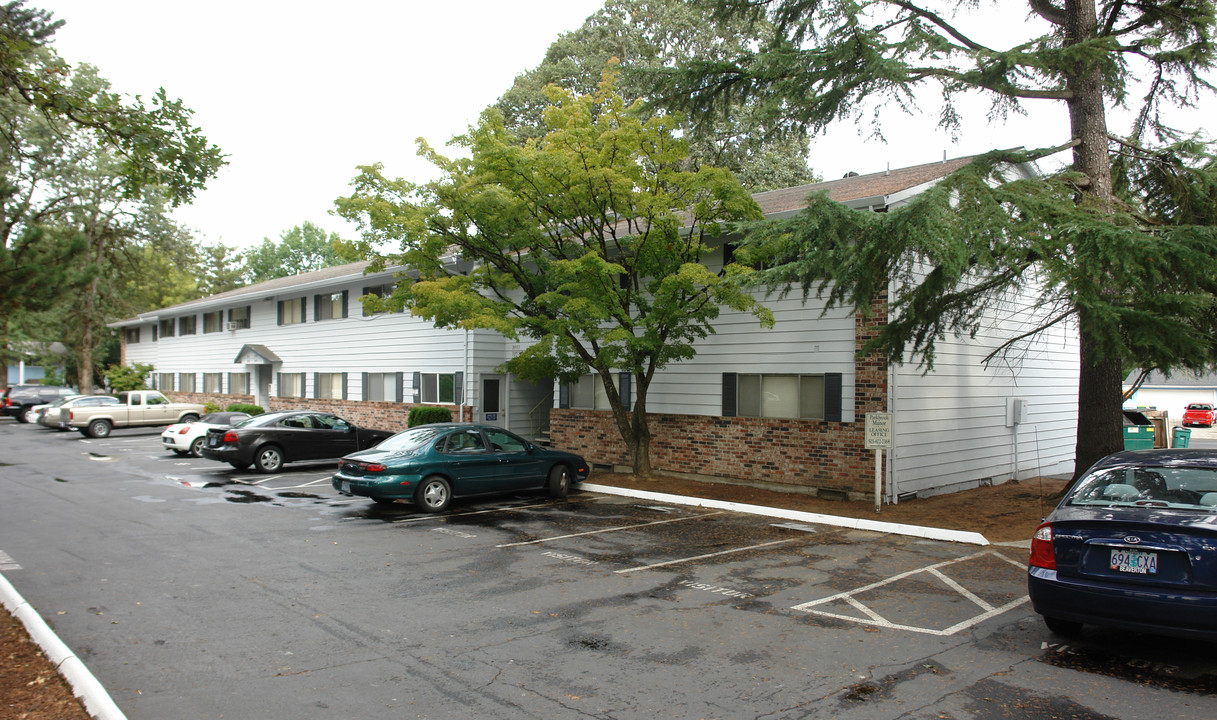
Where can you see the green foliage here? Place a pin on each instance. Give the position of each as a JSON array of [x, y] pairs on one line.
[[301, 249], [127, 377], [645, 34], [245, 408], [427, 414], [589, 242], [1123, 248], [86, 176], [210, 407]]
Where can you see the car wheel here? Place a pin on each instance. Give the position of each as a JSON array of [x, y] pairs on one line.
[[559, 481], [434, 494], [98, 429], [188, 418], [196, 447], [268, 459], [1062, 627], [27, 416]]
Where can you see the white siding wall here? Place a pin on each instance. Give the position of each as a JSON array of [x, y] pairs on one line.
[[950, 425], [387, 342]]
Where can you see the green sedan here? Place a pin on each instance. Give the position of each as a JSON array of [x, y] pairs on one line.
[[428, 465]]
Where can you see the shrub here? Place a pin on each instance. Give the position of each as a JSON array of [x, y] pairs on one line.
[[245, 408], [127, 377], [427, 414], [210, 407]]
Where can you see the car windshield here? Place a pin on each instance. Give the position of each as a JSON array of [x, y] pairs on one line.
[[1186, 488], [411, 439]]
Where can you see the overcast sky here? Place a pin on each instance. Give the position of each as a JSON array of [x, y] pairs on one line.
[[297, 94]]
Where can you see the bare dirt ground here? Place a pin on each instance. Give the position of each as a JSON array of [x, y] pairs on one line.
[[31, 689]]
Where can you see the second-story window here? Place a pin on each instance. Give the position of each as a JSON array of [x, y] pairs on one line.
[[187, 325], [213, 321], [131, 335], [238, 317], [291, 311], [166, 327], [330, 306]]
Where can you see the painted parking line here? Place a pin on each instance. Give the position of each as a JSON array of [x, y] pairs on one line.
[[605, 530], [500, 508], [708, 555], [935, 571]]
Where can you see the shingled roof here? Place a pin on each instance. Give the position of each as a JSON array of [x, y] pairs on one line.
[[848, 189], [857, 187]]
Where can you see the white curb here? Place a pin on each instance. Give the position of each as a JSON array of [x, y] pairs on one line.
[[86, 687], [921, 531]]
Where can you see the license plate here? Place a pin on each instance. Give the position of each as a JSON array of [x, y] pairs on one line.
[[346, 486], [1134, 561]]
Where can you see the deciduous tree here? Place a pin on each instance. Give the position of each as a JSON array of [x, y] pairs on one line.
[[589, 243]]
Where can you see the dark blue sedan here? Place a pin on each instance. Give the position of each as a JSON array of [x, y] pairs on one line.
[[428, 465], [1133, 545]]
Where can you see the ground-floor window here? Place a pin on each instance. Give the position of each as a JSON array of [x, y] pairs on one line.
[[291, 384], [213, 382], [185, 382], [238, 383], [382, 387], [437, 387], [164, 382], [588, 393], [781, 396], [331, 386]]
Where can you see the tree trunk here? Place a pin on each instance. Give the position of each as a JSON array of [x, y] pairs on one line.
[[1100, 423]]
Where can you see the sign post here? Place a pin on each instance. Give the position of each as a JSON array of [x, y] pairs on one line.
[[878, 438]]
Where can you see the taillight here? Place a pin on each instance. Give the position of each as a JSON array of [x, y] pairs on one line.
[[71, 415], [184, 430], [230, 437], [1041, 548], [374, 467]]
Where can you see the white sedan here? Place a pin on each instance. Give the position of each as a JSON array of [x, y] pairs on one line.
[[187, 438]]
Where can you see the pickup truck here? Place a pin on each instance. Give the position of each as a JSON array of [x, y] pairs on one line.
[[135, 408]]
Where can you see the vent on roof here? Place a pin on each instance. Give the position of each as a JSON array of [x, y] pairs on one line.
[[850, 174]]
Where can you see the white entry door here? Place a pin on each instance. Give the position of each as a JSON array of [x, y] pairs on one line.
[[494, 407]]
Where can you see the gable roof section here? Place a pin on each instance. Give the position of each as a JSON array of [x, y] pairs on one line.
[[866, 190]]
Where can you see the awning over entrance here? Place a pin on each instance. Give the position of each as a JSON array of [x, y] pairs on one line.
[[256, 355]]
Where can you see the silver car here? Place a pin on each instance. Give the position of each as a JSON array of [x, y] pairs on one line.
[[56, 416]]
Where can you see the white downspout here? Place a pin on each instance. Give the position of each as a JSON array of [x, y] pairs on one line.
[[468, 381]]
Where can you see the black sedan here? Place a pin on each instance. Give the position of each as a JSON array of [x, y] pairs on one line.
[[267, 441], [1132, 545], [430, 464]]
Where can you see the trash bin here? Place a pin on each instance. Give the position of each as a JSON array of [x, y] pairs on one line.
[[1138, 431], [1182, 437]]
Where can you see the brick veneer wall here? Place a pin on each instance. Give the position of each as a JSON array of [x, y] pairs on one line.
[[811, 456], [380, 415]]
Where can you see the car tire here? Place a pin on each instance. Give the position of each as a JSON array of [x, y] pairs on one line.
[[434, 494], [559, 481], [268, 459], [196, 447], [98, 429], [1068, 628], [27, 416], [188, 418]]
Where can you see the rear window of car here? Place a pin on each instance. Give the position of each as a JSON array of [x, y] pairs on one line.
[[1199, 406], [410, 439], [1186, 488]]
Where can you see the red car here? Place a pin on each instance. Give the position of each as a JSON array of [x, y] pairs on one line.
[[1199, 414]]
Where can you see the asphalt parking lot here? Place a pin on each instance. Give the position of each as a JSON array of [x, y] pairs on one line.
[[194, 591]]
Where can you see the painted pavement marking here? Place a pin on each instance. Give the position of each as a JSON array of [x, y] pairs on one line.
[[605, 530], [934, 570], [708, 555]]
